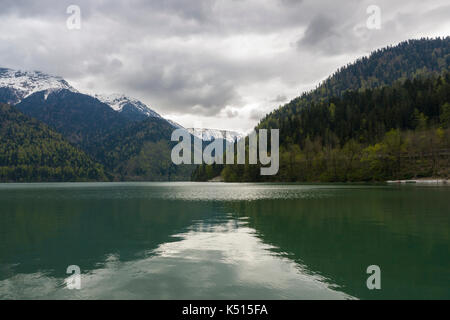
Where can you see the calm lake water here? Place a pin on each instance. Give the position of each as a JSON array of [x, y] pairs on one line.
[[223, 241]]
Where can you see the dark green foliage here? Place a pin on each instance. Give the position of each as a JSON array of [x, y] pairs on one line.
[[130, 148], [207, 172], [378, 134], [30, 151], [80, 118], [384, 116], [404, 87], [413, 59], [338, 131], [445, 115], [365, 116], [141, 151], [407, 60]]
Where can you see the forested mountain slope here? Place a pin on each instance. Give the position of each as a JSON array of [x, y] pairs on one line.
[[407, 60], [393, 132], [129, 150], [141, 151], [396, 101], [80, 118], [30, 151]]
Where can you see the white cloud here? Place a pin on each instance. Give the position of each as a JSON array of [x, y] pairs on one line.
[[208, 61]]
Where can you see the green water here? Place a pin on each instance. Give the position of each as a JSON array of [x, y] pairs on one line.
[[223, 241]]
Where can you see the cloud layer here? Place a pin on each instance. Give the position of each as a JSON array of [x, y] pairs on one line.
[[211, 63]]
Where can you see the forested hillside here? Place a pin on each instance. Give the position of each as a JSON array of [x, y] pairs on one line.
[[30, 151], [367, 115], [129, 148], [383, 117], [141, 151], [395, 132], [80, 118], [407, 60]]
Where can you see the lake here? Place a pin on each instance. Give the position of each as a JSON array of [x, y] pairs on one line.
[[223, 241]]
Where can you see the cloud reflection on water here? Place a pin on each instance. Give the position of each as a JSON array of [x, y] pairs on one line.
[[221, 258]]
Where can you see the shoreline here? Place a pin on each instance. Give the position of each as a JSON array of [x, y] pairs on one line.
[[421, 181]]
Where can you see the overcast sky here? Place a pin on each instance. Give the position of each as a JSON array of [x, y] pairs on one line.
[[206, 63]]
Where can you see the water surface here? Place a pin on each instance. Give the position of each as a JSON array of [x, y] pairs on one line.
[[223, 241]]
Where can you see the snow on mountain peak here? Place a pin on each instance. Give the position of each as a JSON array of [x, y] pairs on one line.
[[119, 101], [25, 83], [212, 134]]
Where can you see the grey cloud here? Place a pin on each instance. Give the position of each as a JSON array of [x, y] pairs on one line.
[[44, 8], [279, 99], [256, 114], [183, 17], [204, 56], [330, 36], [181, 85], [342, 29], [232, 113], [291, 2], [115, 63], [319, 30]]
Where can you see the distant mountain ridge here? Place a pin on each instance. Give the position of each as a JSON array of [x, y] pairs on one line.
[[17, 85], [24, 83], [212, 134], [129, 107], [121, 133], [141, 151], [351, 113]]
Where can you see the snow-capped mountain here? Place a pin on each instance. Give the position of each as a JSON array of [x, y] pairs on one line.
[[17, 86], [123, 103], [212, 134], [22, 84]]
